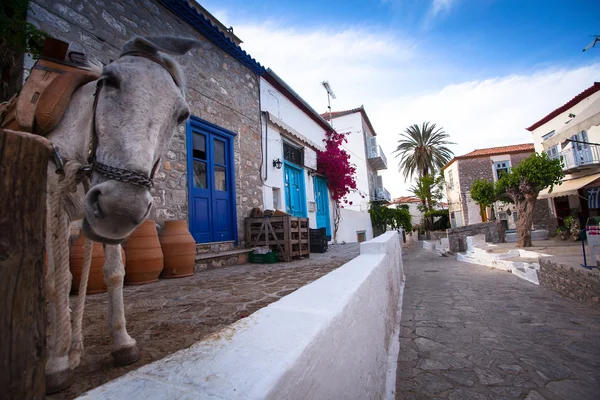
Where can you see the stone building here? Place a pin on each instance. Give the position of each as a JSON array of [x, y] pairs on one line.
[[216, 185], [488, 164]]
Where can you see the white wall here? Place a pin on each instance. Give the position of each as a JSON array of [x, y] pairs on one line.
[[336, 338], [559, 121], [287, 112], [352, 123], [352, 222], [453, 194]]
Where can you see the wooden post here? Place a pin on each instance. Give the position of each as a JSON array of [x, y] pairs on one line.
[[23, 174]]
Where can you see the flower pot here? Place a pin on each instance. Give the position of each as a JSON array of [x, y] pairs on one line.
[[144, 256], [179, 249], [96, 277]]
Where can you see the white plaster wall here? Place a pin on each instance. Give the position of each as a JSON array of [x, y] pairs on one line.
[[559, 121], [282, 108], [286, 111], [336, 338], [351, 222], [453, 195], [358, 156]]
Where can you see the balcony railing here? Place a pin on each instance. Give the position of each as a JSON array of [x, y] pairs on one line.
[[579, 156], [383, 194], [377, 157]]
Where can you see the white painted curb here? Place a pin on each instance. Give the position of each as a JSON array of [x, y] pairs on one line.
[[334, 338]]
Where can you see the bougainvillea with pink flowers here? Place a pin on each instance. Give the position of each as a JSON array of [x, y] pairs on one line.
[[334, 164]]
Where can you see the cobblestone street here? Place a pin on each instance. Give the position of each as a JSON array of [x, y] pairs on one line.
[[173, 314], [471, 332]]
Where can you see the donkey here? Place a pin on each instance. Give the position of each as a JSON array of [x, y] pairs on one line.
[[122, 123]]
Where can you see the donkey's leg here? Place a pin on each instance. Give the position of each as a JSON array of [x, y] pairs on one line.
[[58, 372], [126, 351]]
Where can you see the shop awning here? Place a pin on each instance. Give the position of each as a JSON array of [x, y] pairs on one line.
[[569, 187], [585, 120]]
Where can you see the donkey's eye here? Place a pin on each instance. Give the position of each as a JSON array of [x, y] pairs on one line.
[[183, 117]]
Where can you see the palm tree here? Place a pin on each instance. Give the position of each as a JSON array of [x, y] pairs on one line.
[[422, 150]]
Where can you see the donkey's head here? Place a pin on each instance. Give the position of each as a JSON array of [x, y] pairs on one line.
[[140, 102]]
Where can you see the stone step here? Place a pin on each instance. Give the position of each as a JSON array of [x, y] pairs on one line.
[[226, 258], [214, 247]]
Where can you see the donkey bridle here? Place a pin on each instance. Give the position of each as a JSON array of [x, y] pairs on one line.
[[110, 172]]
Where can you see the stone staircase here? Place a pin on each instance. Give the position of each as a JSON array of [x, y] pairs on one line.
[[512, 261], [219, 254]]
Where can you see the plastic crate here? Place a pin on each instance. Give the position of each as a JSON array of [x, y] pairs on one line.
[[269, 258]]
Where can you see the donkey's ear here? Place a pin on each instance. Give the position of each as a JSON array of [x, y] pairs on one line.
[[167, 44]]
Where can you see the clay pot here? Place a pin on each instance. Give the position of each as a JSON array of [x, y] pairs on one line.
[[96, 277], [179, 248], [144, 255]]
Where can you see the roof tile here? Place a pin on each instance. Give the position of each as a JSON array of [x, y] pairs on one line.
[[493, 151]]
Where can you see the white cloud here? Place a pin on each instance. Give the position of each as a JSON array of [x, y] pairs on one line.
[[401, 84], [438, 6]]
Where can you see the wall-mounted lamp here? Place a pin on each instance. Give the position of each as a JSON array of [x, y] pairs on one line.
[[277, 163]]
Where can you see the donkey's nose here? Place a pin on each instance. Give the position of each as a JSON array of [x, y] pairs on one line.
[[114, 209], [94, 200]]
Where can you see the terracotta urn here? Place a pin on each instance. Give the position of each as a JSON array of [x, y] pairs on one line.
[[144, 255], [96, 277], [179, 249]]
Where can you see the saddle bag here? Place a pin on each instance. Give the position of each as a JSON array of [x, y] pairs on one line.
[[45, 95]]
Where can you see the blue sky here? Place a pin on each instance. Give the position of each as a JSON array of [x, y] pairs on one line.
[[471, 66]]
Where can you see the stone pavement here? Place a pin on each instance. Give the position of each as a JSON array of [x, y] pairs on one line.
[[471, 332], [173, 314]]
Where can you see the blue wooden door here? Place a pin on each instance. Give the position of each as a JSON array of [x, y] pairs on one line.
[[295, 196], [211, 183], [322, 202]]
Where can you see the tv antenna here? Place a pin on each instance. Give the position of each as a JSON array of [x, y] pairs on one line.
[[593, 43], [330, 95]]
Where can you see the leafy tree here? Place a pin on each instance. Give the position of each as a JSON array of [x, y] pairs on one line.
[[523, 184], [17, 36], [334, 164], [484, 194], [422, 150], [430, 190], [443, 222], [382, 217]]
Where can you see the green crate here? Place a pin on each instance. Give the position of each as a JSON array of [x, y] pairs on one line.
[[269, 258]]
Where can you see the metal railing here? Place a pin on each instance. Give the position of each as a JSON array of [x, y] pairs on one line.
[[383, 194], [377, 152], [578, 155]]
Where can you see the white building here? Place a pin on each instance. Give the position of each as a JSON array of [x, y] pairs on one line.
[[572, 132], [292, 132], [368, 157]]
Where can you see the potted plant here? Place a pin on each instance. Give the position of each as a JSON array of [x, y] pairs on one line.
[[562, 232]]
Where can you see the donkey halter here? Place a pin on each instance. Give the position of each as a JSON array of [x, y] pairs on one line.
[[124, 175]]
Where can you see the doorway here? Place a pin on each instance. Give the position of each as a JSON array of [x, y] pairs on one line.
[[211, 182], [322, 202]]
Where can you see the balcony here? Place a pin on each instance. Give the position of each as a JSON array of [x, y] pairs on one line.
[[382, 194], [578, 157], [375, 155]]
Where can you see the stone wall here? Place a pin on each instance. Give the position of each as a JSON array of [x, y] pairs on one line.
[[219, 89], [576, 283], [543, 218], [469, 171], [457, 237]]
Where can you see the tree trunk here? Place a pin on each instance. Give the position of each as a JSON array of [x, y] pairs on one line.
[[525, 206], [23, 169]]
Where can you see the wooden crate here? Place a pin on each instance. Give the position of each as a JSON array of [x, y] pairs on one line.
[[287, 235]]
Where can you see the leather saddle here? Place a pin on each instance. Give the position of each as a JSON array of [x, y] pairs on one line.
[[46, 94]]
